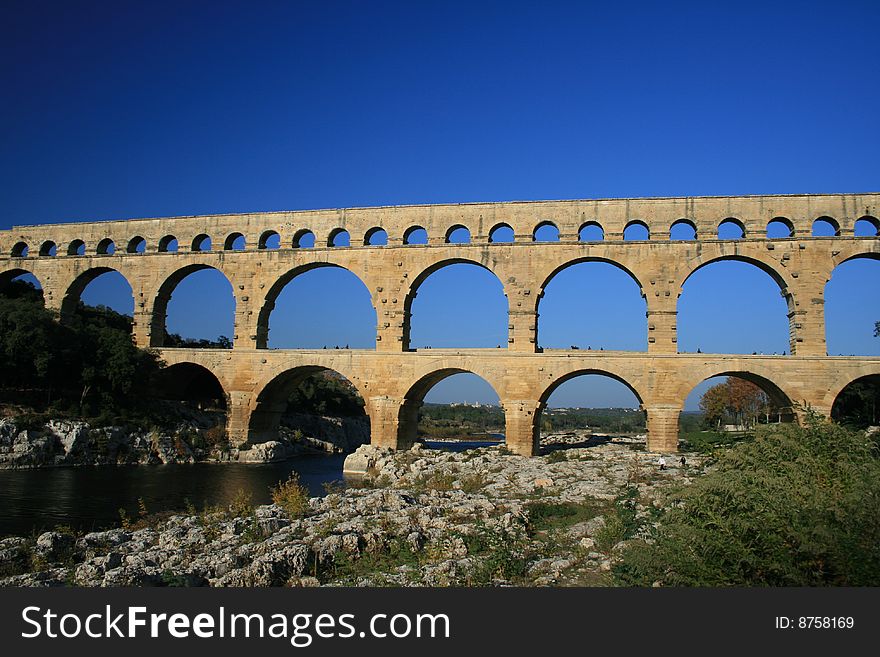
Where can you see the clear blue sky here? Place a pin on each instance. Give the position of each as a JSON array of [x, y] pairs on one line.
[[128, 110]]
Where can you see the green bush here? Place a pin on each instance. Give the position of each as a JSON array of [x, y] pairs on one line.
[[794, 507]]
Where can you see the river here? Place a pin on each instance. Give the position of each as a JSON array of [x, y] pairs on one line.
[[88, 498]]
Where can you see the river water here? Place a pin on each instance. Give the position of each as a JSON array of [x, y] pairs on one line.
[[89, 497]]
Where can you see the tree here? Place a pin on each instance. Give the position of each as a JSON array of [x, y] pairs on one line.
[[877, 329], [737, 400]]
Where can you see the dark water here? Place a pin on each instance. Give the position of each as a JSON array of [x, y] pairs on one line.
[[89, 498]]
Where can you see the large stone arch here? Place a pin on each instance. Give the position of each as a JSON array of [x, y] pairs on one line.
[[159, 311], [271, 296], [75, 288], [842, 380], [269, 400], [547, 276], [769, 381], [432, 268], [177, 380], [413, 398]]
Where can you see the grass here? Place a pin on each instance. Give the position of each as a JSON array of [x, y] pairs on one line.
[[555, 515]]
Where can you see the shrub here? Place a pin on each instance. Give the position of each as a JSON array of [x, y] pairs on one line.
[[795, 507], [291, 496]]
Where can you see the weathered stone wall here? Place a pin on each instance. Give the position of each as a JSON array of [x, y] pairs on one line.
[[392, 378]]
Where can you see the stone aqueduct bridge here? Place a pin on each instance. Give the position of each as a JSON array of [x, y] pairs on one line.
[[393, 379]]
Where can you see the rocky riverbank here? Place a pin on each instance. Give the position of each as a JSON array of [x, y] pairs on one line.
[[197, 437], [416, 517]]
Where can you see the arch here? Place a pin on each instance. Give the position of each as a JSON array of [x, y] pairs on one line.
[[565, 309], [636, 230], [271, 402], [234, 242], [851, 298], [551, 388], [780, 228], [376, 236], [270, 239], [501, 233], [187, 381], [736, 308], [546, 231], [351, 305], [683, 229], [73, 294], [10, 275], [858, 402], [408, 412], [136, 244], [780, 401], [201, 242], [168, 244], [158, 322], [499, 339], [866, 226], [20, 250], [339, 237], [106, 247], [731, 229], [48, 248], [591, 231], [415, 235], [826, 227], [76, 248], [458, 234], [303, 239]]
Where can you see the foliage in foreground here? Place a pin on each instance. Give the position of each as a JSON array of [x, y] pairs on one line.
[[794, 507]]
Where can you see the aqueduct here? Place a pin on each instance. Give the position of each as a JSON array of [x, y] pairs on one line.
[[392, 378]]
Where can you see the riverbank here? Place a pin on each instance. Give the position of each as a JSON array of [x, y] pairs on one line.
[[197, 437], [417, 517]]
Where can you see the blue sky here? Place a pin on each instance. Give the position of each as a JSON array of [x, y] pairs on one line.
[[122, 110]]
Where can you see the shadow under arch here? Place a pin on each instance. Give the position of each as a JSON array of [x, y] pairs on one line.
[[413, 291], [73, 294], [408, 413], [158, 319], [272, 297], [858, 402], [6, 278], [271, 402], [187, 381]]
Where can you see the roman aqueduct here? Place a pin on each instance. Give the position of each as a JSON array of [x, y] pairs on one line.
[[392, 378]]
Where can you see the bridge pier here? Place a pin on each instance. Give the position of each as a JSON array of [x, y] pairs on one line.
[[521, 426], [663, 428]]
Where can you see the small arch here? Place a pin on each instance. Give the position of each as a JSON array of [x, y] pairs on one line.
[[458, 234], [201, 243], [20, 250], [591, 231], [637, 231], [106, 247], [76, 248], [303, 239], [234, 242], [339, 237], [269, 240], [731, 229], [826, 227], [546, 231], [867, 226], [780, 228], [48, 248], [113, 292], [501, 233], [415, 235], [136, 245], [683, 230], [168, 244], [377, 236]]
